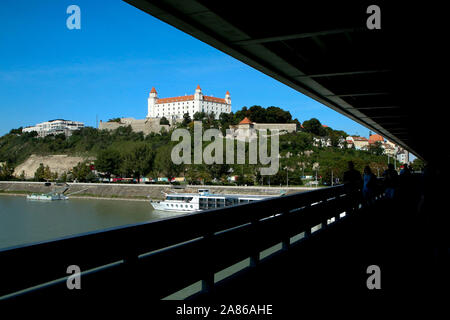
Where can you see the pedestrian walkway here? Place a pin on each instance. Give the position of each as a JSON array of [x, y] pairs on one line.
[[331, 266]]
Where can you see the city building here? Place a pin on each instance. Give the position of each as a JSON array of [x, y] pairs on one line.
[[360, 143], [176, 107], [321, 142], [403, 156], [389, 149], [57, 126], [246, 129], [374, 138]]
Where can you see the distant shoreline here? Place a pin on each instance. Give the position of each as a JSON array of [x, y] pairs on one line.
[[78, 197], [136, 192]]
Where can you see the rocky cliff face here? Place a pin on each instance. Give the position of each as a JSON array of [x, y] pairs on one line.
[[56, 163]]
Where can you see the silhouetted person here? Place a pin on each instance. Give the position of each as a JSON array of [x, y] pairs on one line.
[[390, 181], [352, 178], [369, 185], [405, 170]]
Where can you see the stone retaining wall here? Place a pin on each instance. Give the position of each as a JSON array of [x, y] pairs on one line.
[[139, 190]]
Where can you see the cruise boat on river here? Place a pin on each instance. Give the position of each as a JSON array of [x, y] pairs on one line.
[[203, 200]]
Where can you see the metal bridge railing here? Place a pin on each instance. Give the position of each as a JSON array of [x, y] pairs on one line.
[[167, 255]]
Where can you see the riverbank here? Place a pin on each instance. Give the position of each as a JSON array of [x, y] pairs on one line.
[[140, 192], [3, 193]]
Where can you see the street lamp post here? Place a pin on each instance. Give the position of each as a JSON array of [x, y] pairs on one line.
[[316, 179], [287, 177]]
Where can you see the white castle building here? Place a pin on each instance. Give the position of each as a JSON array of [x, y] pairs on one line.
[[56, 126], [175, 107]]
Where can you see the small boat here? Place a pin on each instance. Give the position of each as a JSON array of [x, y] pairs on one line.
[[47, 196], [203, 200]]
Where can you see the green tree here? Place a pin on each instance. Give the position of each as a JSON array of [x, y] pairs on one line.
[[164, 164], [225, 120], [6, 171], [375, 148], [138, 161], [164, 121], [63, 177], [47, 173], [81, 171], [199, 116], [16, 131], [314, 126], [108, 162], [186, 120], [39, 173], [418, 164]]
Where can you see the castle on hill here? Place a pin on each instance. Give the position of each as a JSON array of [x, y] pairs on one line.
[[173, 109]]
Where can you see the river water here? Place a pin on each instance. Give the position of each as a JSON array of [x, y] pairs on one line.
[[25, 221]]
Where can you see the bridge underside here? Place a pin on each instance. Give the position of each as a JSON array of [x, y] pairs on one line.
[[383, 79], [325, 52]]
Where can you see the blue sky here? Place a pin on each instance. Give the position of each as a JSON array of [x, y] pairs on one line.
[[109, 67]]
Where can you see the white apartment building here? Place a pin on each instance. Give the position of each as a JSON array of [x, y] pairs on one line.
[[175, 107], [56, 126], [360, 143], [403, 156]]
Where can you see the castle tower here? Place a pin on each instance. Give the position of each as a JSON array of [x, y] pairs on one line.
[[152, 98], [227, 97], [198, 98], [198, 93]]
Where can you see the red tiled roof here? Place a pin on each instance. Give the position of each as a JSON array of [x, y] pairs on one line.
[[245, 121], [214, 99], [175, 99], [359, 139], [189, 98], [228, 92], [153, 90], [198, 87], [375, 138]]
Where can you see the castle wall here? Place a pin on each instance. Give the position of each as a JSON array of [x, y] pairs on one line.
[[145, 126], [289, 127]]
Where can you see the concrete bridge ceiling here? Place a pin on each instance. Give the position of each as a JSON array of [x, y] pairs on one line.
[[382, 79]]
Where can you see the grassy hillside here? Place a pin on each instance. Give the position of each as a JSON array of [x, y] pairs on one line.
[[123, 152]]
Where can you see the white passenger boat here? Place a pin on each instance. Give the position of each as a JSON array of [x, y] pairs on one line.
[[203, 200], [47, 196]]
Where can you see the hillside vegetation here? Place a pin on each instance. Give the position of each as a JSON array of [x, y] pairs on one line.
[[125, 153]]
